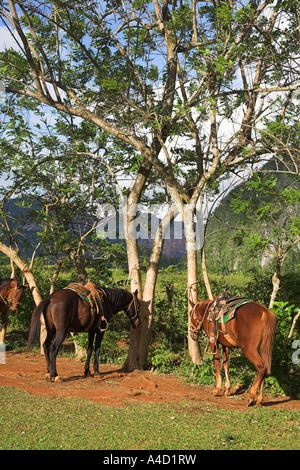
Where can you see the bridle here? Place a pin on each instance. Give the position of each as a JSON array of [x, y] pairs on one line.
[[136, 309], [12, 297], [126, 310], [195, 330]]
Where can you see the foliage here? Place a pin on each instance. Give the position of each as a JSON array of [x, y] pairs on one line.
[[254, 226], [58, 189], [285, 372], [169, 68], [168, 343], [271, 209]]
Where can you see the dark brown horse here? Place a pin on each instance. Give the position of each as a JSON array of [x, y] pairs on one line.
[[11, 294], [252, 328], [64, 310]]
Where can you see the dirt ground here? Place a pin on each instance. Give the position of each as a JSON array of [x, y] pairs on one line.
[[26, 371]]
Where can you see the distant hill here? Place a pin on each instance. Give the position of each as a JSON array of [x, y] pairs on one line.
[[173, 249], [223, 255]]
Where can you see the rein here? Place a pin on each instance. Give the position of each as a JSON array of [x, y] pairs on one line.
[[129, 305], [197, 329], [3, 299], [135, 308]]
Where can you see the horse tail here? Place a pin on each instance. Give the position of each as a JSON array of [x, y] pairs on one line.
[[267, 339], [35, 326]]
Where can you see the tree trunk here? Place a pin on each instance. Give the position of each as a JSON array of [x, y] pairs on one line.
[[150, 283], [205, 275], [190, 235], [13, 255], [139, 339], [129, 213], [132, 360], [12, 269], [80, 264], [276, 284], [55, 275]]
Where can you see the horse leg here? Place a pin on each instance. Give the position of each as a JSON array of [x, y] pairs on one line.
[[218, 390], [260, 394], [60, 336], [99, 336], [46, 347], [226, 369], [89, 353], [261, 368]]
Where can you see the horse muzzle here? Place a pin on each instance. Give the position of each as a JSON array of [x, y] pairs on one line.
[[194, 335]]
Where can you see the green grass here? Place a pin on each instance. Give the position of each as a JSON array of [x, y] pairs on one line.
[[38, 423]]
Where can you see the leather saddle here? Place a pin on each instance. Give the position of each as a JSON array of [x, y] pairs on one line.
[[222, 310], [91, 294]]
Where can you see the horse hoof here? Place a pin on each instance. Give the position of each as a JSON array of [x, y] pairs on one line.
[[218, 392], [48, 378], [55, 379]]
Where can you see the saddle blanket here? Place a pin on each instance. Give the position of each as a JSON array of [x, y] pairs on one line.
[[90, 293], [81, 290]]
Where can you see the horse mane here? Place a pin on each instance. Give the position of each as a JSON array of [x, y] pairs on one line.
[[116, 295], [5, 282]]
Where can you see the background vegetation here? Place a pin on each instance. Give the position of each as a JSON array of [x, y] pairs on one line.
[[233, 262], [168, 346]]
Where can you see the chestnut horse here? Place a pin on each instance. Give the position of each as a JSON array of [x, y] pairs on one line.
[[64, 310], [11, 294], [253, 326]]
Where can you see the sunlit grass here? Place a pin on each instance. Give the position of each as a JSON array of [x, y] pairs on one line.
[[31, 422]]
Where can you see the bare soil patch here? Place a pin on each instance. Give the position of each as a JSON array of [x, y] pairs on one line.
[[26, 371]]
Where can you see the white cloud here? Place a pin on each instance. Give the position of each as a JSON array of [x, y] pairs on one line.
[[7, 40]]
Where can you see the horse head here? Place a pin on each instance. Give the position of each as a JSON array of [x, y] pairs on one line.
[[132, 310], [15, 294], [197, 316]]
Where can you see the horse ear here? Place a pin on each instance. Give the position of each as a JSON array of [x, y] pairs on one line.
[[191, 303], [135, 292]]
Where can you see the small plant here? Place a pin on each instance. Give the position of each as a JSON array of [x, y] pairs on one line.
[[163, 360]]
